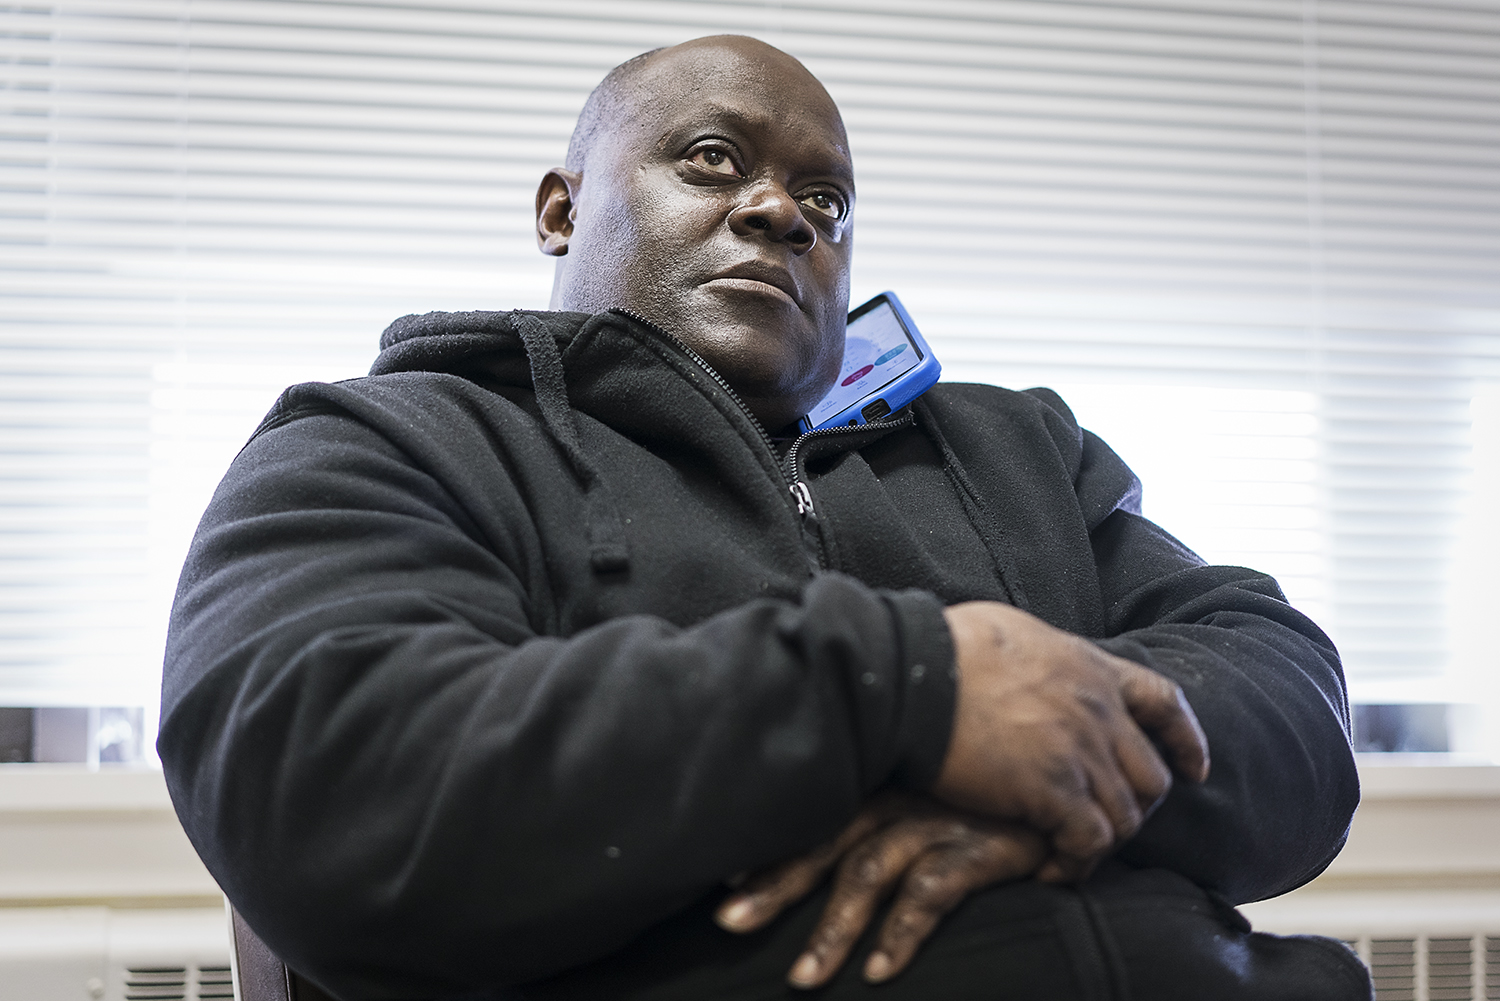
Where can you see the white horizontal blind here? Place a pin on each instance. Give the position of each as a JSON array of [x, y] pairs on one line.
[[1253, 240]]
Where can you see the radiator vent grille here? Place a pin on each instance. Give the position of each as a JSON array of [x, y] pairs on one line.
[[155, 983], [1432, 968], [1450, 969], [215, 982], [178, 983]]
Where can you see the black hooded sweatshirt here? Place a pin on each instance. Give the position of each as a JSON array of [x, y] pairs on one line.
[[484, 664]]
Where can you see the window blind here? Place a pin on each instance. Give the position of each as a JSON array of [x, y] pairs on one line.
[[1253, 241]]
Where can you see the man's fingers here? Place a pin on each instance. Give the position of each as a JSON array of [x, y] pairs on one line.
[[1143, 768], [939, 881], [766, 894], [1116, 797], [1084, 837], [905, 928], [1161, 708], [864, 878]]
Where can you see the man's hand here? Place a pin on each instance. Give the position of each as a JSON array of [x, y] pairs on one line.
[[937, 855], [1051, 731]]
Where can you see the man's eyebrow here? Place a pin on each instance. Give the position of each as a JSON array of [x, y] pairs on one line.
[[736, 124], [731, 122]]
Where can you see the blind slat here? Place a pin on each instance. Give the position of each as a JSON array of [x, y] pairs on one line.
[[1280, 216]]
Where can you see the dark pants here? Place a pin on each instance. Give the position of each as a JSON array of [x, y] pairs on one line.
[[1125, 935]]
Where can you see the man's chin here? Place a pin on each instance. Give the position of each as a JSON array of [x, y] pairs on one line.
[[745, 303], [762, 345]]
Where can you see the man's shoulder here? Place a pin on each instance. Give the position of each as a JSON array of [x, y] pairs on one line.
[[369, 398], [989, 407], [1034, 400]]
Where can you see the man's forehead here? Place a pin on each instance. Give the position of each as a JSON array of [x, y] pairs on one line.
[[750, 89]]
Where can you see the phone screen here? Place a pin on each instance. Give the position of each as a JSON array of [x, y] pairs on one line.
[[877, 351]]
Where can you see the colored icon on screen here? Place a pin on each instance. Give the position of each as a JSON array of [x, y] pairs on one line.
[[858, 375]]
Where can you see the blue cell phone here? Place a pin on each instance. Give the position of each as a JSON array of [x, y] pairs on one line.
[[887, 364]]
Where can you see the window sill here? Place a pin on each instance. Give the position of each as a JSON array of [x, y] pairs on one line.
[[68, 834]]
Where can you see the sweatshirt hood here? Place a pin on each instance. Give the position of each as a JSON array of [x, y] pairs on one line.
[[472, 343], [517, 347]]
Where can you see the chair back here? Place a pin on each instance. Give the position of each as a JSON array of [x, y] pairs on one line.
[[260, 975]]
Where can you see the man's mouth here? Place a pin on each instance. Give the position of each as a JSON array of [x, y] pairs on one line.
[[760, 278]]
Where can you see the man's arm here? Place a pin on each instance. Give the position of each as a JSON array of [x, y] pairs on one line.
[[1265, 683], [1262, 678], [1040, 712], [367, 732], [1267, 687], [408, 788]]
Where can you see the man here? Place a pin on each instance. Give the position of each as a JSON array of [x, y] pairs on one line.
[[488, 671]]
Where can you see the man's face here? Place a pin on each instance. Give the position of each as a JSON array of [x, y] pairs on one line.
[[719, 208]]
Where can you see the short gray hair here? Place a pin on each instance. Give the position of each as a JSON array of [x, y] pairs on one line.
[[605, 104]]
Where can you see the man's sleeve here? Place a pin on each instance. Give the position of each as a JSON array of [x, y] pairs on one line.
[[1264, 680], [409, 790]]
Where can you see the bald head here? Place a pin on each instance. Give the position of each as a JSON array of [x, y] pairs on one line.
[[626, 87], [708, 188]]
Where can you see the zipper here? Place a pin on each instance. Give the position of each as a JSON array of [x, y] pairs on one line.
[[799, 490], [803, 496], [790, 462]]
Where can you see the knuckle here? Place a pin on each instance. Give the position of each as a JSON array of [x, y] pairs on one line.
[[935, 888], [866, 871], [862, 867], [1091, 835], [830, 934], [903, 932], [904, 925], [927, 885], [1063, 776], [1096, 706]]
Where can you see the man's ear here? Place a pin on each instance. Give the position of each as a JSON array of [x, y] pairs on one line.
[[554, 210]]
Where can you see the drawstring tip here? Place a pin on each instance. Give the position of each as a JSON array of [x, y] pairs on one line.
[[609, 558]]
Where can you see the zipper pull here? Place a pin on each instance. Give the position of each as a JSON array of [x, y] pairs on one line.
[[803, 496]]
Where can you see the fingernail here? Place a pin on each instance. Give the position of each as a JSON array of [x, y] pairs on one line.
[[736, 915], [878, 967], [805, 971]]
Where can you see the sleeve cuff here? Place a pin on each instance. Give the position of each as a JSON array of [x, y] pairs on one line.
[[927, 681]]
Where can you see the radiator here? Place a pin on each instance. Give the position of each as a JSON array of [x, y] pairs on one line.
[[147, 954], [1432, 968], [114, 954], [1420, 944], [171, 983]]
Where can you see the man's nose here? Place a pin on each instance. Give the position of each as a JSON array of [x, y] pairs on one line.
[[769, 209]]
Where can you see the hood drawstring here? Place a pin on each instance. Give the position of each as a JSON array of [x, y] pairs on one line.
[[608, 550], [979, 515]]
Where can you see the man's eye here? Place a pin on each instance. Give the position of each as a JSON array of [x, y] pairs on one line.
[[826, 202], [717, 161]]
